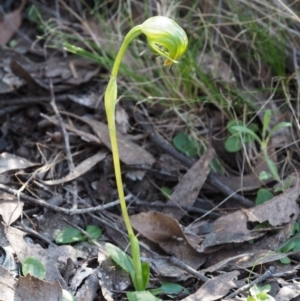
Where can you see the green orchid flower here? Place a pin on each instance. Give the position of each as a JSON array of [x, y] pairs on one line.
[[168, 39], [165, 37]]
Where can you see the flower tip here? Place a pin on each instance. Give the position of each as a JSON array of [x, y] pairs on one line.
[[169, 63], [165, 37]]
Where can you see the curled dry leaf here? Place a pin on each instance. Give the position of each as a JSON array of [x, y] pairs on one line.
[[234, 227], [80, 169], [215, 288], [10, 208], [10, 24], [244, 260], [64, 73], [288, 292], [7, 284], [251, 181], [23, 250], [130, 153], [10, 162], [166, 231], [187, 190], [32, 288]]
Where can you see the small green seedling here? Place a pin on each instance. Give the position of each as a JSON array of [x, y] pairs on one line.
[[71, 235], [292, 244], [169, 40], [260, 293], [263, 195], [235, 142], [263, 142], [186, 144], [166, 192], [191, 148], [32, 266], [168, 288]]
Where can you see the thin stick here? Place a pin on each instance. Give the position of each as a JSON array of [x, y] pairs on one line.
[[189, 269], [67, 143], [268, 274], [44, 203], [34, 233]]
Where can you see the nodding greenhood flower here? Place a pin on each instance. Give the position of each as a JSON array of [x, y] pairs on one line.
[[168, 39], [165, 37]]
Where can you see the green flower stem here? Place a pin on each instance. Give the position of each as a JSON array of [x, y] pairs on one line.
[[136, 258], [110, 100], [168, 39]]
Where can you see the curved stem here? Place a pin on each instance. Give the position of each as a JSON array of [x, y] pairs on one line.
[[110, 100]]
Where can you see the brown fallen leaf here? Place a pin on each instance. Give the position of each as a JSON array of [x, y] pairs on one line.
[[215, 288], [7, 283], [34, 84], [234, 227], [167, 233], [63, 73], [73, 70], [187, 190], [71, 128], [10, 209], [10, 162], [89, 98], [11, 23], [243, 260], [32, 288], [288, 292], [90, 288], [80, 169], [251, 181], [107, 271], [130, 153]]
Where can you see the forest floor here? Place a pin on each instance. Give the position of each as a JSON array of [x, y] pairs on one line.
[[208, 148]]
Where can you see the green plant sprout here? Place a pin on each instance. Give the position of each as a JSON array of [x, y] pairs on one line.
[[169, 40], [235, 141], [33, 266], [260, 293], [264, 141]]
